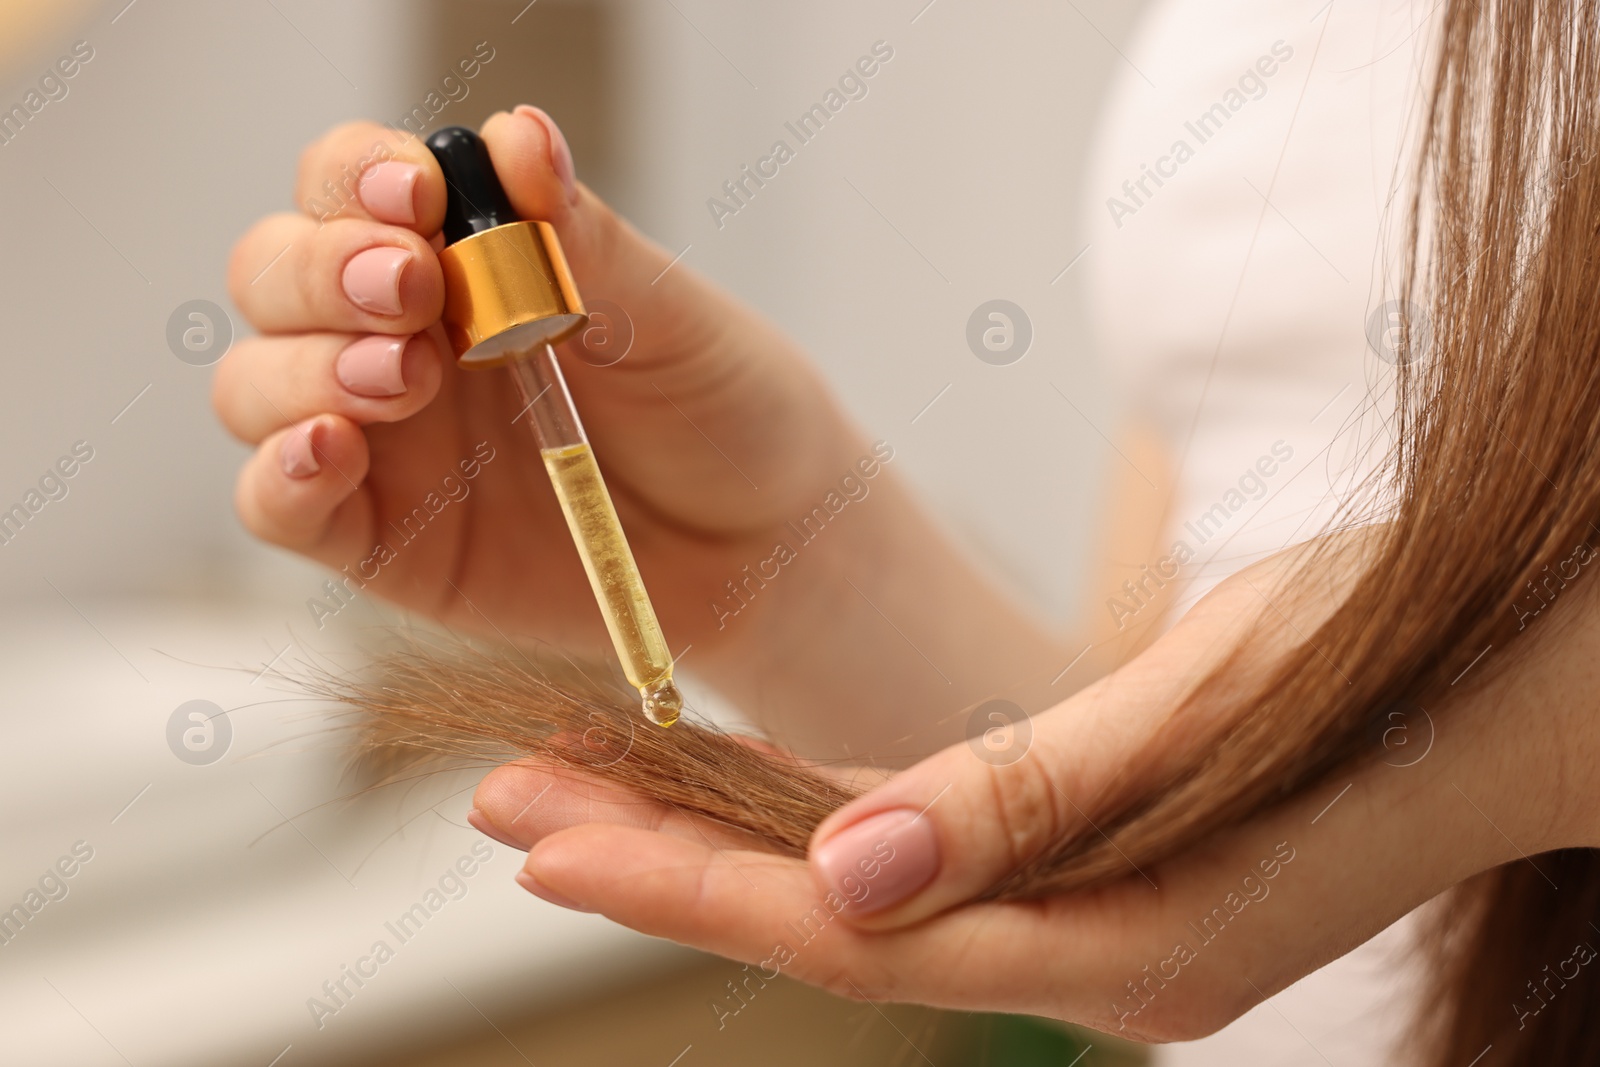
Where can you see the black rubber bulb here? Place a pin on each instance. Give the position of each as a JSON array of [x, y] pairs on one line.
[[476, 200]]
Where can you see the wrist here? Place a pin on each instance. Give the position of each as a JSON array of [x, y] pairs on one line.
[[782, 585], [877, 632]]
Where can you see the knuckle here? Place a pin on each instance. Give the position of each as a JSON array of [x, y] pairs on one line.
[[1024, 803], [356, 131], [250, 254], [315, 155], [703, 892], [230, 401], [329, 167], [340, 239], [315, 292]]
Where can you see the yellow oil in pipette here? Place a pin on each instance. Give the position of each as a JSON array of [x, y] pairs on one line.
[[592, 519], [630, 618]]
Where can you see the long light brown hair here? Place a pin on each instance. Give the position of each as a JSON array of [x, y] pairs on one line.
[[1494, 477]]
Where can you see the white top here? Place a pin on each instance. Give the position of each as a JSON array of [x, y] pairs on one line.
[[1231, 296], [1232, 278]]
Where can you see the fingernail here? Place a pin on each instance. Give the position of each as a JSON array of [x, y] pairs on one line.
[[388, 191], [560, 154], [298, 453], [489, 830], [879, 861], [531, 884], [372, 366], [372, 279]]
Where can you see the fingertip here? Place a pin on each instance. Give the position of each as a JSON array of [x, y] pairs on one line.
[[298, 450], [388, 191], [323, 454], [485, 826], [532, 884], [407, 191], [560, 153], [502, 797], [293, 490], [681, 888], [363, 169], [914, 846], [389, 280], [524, 156], [878, 862], [387, 378], [580, 862], [560, 868], [421, 369], [560, 859]]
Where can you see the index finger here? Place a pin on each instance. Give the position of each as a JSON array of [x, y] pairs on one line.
[[520, 804], [1054, 958], [364, 170]]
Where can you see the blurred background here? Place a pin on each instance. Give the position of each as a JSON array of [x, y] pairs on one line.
[[227, 880]]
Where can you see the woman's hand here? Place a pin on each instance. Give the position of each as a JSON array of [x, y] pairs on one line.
[[712, 431], [1173, 951], [377, 456]]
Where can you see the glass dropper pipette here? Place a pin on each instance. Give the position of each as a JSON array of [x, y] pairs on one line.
[[613, 575], [509, 297]]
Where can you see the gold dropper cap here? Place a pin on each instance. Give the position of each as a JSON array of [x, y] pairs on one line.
[[507, 286], [507, 291]]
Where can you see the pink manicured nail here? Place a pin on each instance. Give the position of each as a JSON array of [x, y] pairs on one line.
[[298, 452], [531, 884], [388, 190], [879, 861], [489, 830], [560, 154], [372, 279], [371, 366]]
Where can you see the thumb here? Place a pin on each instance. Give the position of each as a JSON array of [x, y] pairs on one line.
[[534, 164], [949, 828], [608, 257], [953, 826]]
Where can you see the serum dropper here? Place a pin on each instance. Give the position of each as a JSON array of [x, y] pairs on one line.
[[509, 299]]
